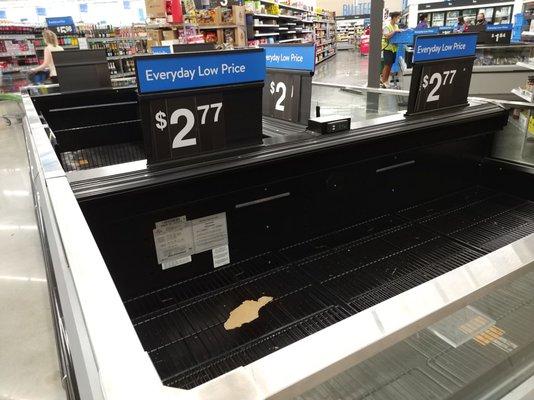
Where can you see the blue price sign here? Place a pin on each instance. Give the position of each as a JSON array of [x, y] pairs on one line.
[[41, 11], [61, 25], [197, 70], [426, 31], [499, 28], [431, 48], [161, 50], [2, 14], [83, 7], [442, 72], [300, 57], [126, 4]]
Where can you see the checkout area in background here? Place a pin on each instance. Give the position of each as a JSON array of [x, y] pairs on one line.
[[496, 70]]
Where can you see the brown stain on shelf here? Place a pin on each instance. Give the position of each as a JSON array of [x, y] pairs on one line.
[[246, 312]]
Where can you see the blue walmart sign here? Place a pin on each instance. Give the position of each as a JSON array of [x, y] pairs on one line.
[[430, 48], [499, 28], [196, 70], [291, 56]]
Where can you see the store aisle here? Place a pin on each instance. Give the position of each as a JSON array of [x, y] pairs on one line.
[[350, 68], [347, 67], [28, 357]]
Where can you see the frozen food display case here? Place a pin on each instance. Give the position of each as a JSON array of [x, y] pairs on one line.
[[343, 246], [495, 70]]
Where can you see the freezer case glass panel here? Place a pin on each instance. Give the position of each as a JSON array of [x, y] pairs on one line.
[[484, 350], [470, 15], [438, 19], [488, 13], [452, 18], [503, 15]]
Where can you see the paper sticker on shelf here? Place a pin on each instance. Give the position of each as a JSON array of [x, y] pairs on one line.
[[221, 256], [177, 239], [167, 222], [173, 241], [175, 262], [210, 232]]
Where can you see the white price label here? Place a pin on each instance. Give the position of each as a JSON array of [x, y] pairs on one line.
[[64, 29], [190, 119], [437, 80]]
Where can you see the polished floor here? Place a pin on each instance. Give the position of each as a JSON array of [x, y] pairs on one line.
[[28, 359], [348, 67]]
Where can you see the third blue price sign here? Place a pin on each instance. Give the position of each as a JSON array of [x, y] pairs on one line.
[[442, 72]]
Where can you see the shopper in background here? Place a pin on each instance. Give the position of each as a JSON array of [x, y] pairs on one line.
[[481, 19], [389, 49], [50, 39], [423, 21], [461, 26]]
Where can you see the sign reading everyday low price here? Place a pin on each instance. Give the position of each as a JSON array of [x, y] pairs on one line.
[[287, 90], [442, 72], [496, 34], [195, 70], [194, 103], [61, 25], [300, 57]]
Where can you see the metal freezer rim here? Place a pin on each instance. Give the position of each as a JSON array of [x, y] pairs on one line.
[[111, 364]]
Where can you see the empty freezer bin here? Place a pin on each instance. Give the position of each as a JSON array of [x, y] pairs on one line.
[[355, 240]]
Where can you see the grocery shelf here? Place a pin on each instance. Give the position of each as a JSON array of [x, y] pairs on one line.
[[266, 15], [116, 39], [266, 34], [290, 40], [326, 58], [208, 27], [283, 28], [16, 37], [16, 54], [284, 6], [120, 57], [290, 32], [289, 17], [306, 31], [65, 46], [122, 75], [266, 26]]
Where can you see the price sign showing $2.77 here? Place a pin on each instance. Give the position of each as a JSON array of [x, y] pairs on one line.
[[187, 125]]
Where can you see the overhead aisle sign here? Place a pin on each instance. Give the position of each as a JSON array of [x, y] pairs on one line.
[[195, 103], [442, 72], [287, 90]]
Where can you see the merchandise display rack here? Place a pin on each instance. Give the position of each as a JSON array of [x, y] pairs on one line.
[[17, 48], [325, 36], [283, 23]]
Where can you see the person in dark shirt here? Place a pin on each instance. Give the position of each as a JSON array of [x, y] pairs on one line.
[[481, 19]]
